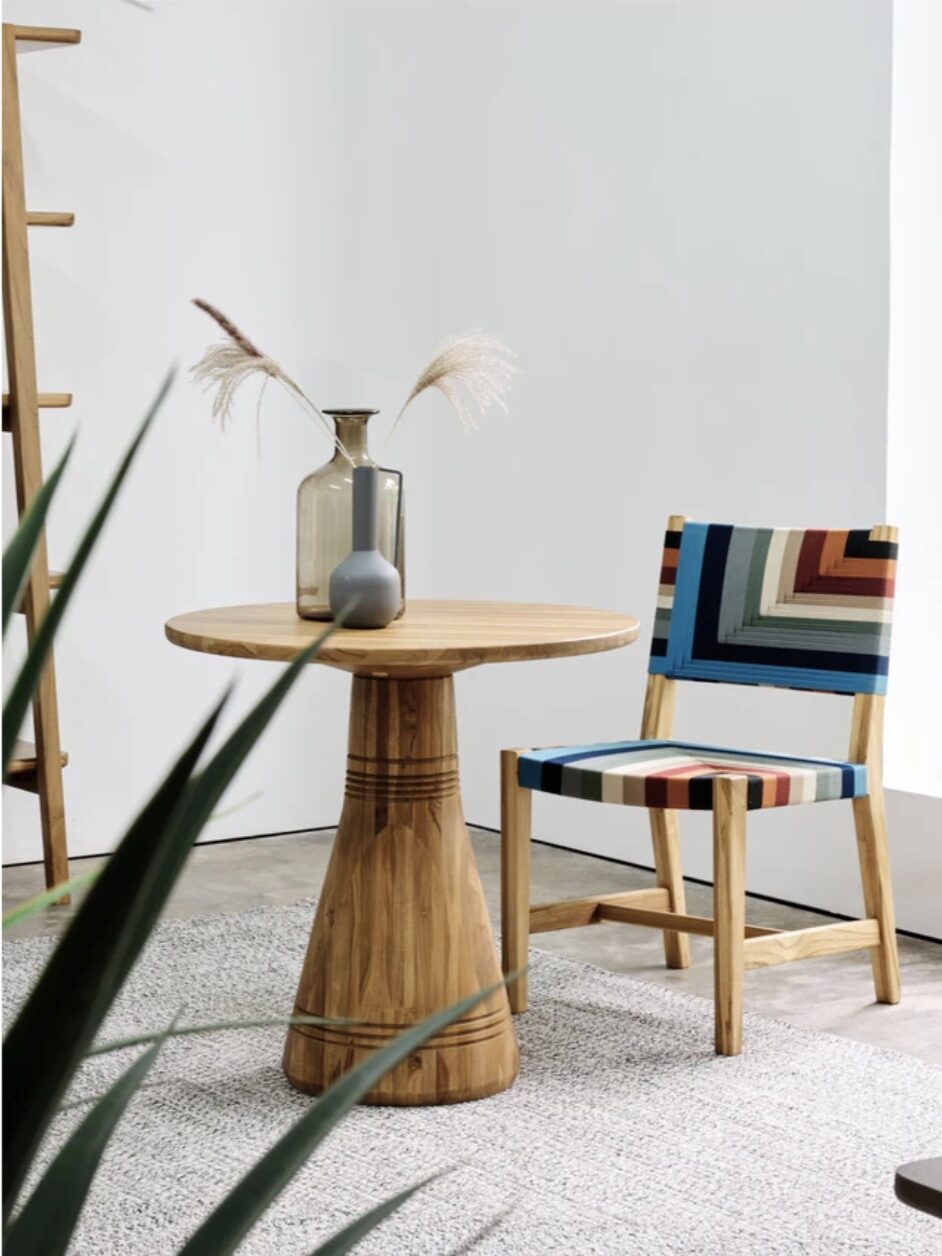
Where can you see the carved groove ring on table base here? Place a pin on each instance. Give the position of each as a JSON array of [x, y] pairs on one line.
[[402, 929]]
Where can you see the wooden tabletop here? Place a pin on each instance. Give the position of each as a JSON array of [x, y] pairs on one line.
[[432, 638]]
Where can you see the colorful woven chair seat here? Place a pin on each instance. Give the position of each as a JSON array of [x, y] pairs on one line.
[[679, 775]]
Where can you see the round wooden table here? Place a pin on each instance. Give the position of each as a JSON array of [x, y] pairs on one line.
[[401, 929]]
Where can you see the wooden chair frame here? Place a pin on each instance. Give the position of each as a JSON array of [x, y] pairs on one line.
[[737, 946]]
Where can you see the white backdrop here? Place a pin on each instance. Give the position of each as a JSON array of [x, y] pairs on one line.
[[227, 160], [914, 757], [676, 214]]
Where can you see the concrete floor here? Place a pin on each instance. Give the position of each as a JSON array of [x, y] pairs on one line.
[[834, 993]]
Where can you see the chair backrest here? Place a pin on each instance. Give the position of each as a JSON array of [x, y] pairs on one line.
[[795, 608]]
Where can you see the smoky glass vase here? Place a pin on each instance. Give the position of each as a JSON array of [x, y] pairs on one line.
[[325, 516]]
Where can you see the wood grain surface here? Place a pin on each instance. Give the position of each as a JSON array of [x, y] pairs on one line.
[[402, 929], [432, 638]]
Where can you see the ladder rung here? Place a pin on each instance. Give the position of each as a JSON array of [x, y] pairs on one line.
[[24, 757], [21, 772], [36, 218], [47, 401], [55, 579], [32, 38]]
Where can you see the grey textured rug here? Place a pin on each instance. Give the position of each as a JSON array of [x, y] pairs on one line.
[[623, 1134]]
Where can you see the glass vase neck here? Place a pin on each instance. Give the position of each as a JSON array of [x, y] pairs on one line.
[[350, 429]]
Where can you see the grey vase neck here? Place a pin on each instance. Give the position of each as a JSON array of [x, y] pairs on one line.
[[365, 508], [351, 432]]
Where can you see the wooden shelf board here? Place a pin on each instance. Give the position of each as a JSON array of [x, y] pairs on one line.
[[24, 758], [43, 218], [55, 580], [47, 401], [35, 38]]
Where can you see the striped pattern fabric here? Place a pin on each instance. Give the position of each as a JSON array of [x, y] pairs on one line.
[[797, 608], [679, 775]]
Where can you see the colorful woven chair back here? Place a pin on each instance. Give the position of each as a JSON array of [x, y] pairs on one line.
[[799, 609]]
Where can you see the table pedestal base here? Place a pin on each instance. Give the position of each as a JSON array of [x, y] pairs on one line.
[[401, 929]]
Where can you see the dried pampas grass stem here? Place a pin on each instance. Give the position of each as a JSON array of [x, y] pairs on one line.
[[474, 368], [226, 365]]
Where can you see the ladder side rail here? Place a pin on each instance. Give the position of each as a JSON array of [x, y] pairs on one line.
[[27, 458]]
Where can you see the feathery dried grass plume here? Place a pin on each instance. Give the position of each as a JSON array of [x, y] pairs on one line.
[[228, 364], [473, 367]]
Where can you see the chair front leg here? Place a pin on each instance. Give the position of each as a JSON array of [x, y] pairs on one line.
[[665, 839], [729, 909], [870, 822], [515, 825]]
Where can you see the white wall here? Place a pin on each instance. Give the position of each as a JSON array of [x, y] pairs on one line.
[[246, 161], [676, 214], [914, 757], [681, 216]]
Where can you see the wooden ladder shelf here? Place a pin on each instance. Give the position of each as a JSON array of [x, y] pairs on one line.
[[37, 768]]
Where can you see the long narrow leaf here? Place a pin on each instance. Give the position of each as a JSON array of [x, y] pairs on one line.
[[222, 813], [263, 1022], [85, 1100], [347, 1238], [123, 1044], [227, 1225], [488, 1228], [44, 1227], [15, 707], [196, 804], [82, 977], [95, 955], [205, 790], [52, 895], [19, 553]]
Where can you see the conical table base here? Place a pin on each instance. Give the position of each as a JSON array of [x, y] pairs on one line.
[[401, 929]]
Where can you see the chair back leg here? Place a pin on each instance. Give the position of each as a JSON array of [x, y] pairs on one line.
[[729, 909], [665, 838], [515, 826]]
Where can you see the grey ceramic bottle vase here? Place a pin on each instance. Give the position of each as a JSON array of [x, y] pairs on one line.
[[365, 574]]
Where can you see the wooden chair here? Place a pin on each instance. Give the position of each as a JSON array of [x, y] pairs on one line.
[[798, 609]]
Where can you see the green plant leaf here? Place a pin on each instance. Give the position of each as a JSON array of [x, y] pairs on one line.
[[85, 1101], [347, 1238], [221, 813], [21, 693], [52, 895], [82, 977], [45, 1225], [197, 803], [19, 553], [97, 951], [469, 1244], [227, 1225], [263, 1022]]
